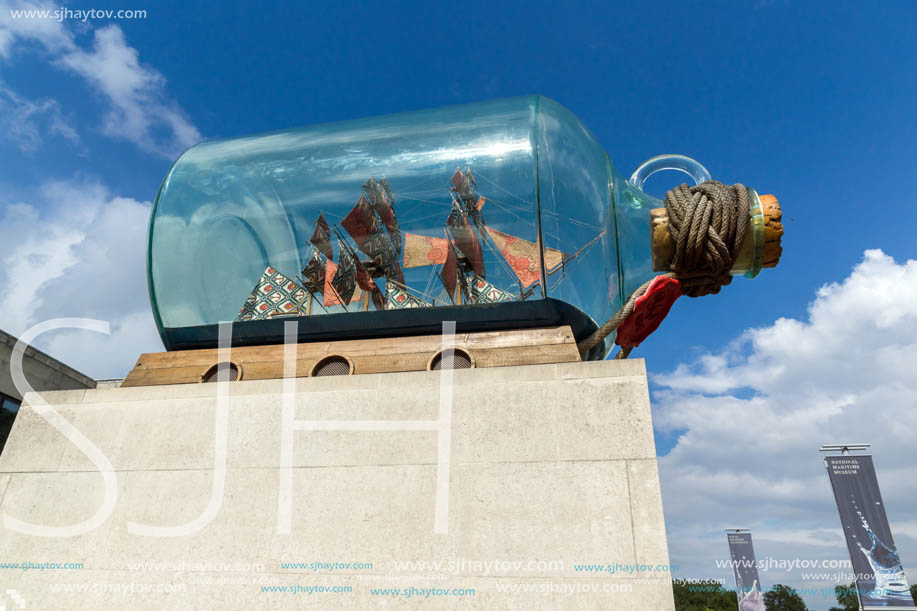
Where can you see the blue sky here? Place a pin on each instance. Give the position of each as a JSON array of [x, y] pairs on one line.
[[813, 102]]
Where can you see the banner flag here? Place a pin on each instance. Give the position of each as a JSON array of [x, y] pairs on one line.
[[748, 586], [881, 582]]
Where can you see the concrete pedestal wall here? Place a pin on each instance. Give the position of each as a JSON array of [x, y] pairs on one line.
[[550, 466], [42, 371]]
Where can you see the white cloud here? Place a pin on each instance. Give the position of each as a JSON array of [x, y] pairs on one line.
[[24, 121], [751, 419], [79, 253], [138, 108], [51, 33]]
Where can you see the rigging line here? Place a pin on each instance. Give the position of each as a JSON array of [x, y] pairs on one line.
[[508, 209], [331, 214], [426, 201], [583, 224], [577, 253], [407, 288], [502, 261], [302, 279], [443, 282], [510, 193], [562, 267], [340, 301], [318, 301], [487, 242], [380, 222], [553, 216], [428, 288], [432, 191], [558, 283], [547, 213], [413, 209], [461, 273], [427, 180], [409, 217], [544, 211], [414, 219], [524, 220], [509, 205]]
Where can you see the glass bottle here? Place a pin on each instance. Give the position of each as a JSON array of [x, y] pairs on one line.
[[517, 194]]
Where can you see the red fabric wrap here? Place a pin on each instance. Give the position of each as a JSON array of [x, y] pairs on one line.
[[649, 311]]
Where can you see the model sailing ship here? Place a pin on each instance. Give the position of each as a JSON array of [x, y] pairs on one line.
[[378, 249]]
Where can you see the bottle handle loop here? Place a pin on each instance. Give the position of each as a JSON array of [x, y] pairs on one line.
[[692, 168]]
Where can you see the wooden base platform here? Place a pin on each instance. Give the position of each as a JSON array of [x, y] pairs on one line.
[[488, 349]]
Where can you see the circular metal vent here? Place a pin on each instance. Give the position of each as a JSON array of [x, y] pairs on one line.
[[459, 360], [332, 366], [222, 372]]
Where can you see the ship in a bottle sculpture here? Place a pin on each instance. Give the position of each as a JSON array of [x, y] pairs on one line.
[[500, 216]]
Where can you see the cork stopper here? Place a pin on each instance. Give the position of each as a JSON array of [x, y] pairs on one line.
[[663, 247], [773, 230]]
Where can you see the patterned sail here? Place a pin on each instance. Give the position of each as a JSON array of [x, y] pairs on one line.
[[383, 201], [449, 273], [321, 237], [344, 281], [399, 299], [366, 283], [522, 256], [483, 291], [465, 239], [329, 297], [379, 248], [420, 250], [273, 293], [314, 274], [360, 222], [464, 185]]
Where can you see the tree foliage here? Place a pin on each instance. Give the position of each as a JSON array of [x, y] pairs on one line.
[[703, 596], [783, 598], [847, 598]]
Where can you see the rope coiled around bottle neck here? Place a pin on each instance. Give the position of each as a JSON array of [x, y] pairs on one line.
[[708, 223]]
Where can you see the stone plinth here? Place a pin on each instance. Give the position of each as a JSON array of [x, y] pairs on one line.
[[545, 467]]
